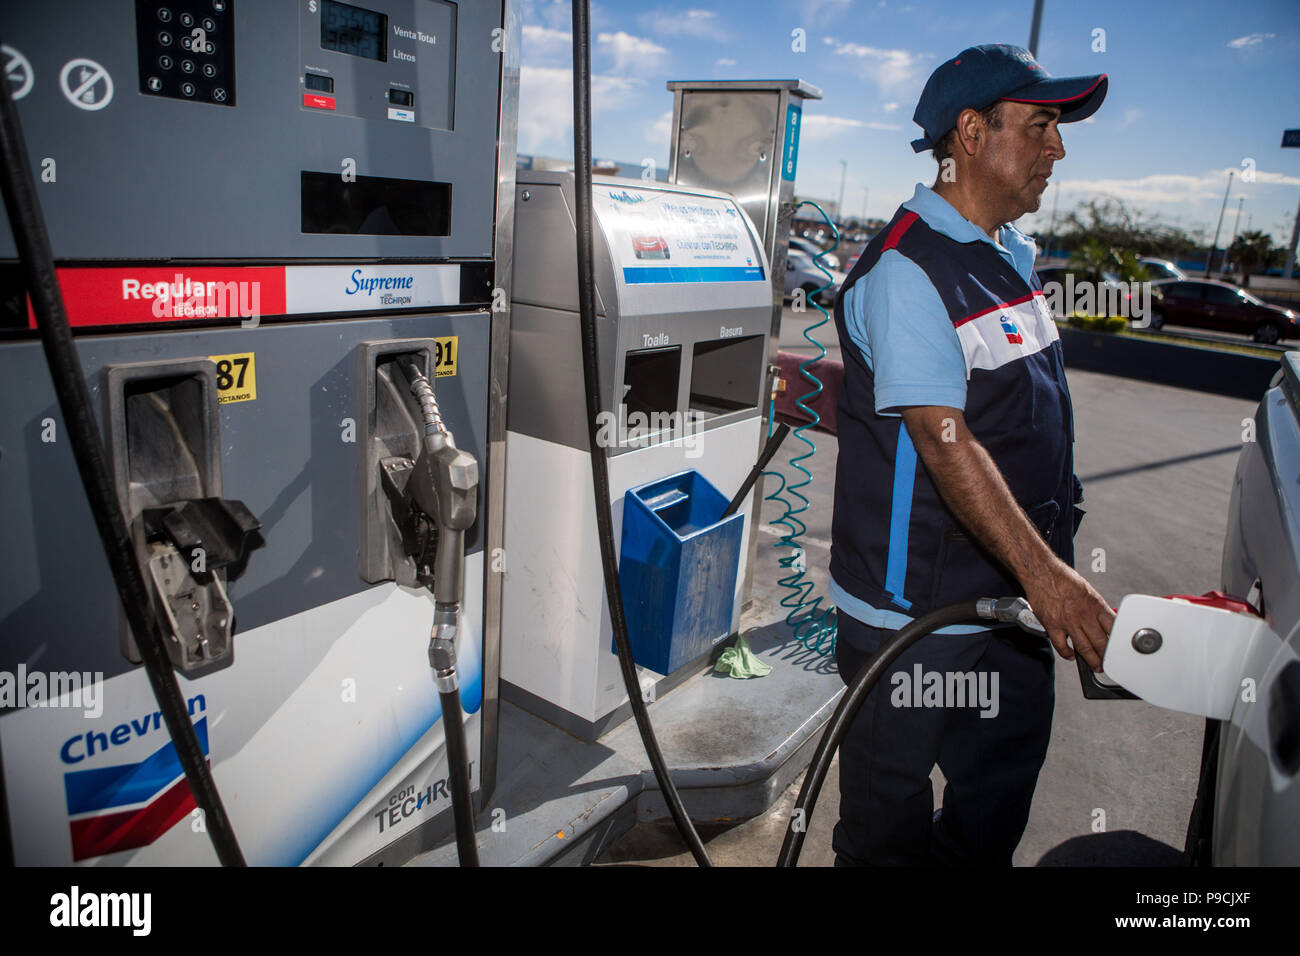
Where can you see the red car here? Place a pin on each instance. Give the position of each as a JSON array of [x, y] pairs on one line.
[[650, 247], [1220, 306]]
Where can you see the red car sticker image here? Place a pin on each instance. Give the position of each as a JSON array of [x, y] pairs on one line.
[[650, 247]]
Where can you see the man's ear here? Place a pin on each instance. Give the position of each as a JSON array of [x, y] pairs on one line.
[[970, 129]]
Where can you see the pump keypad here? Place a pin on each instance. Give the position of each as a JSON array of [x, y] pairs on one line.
[[187, 49]]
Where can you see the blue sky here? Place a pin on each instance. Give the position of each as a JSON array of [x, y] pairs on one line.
[[1197, 88]]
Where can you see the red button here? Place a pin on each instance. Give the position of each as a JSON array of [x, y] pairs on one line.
[[318, 102]]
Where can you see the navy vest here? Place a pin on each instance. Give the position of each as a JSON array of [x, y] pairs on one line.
[[895, 544]]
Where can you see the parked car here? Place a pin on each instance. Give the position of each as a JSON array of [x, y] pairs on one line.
[[829, 260], [1161, 269], [1208, 304], [802, 273]]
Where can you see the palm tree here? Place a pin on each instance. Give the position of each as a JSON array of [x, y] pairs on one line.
[[1252, 250]]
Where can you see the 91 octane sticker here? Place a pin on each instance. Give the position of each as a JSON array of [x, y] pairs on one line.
[[236, 378], [445, 359]]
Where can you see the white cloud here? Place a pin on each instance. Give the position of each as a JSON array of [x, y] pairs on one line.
[[546, 105], [1171, 188], [554, 13], [696, 23], [1130, 117], [725, 62], [889, 68], [1274, 179], [889, 107], [660, 131], [540, 42], [635, 54], [815, 11], [1250, 39], [818, 126]]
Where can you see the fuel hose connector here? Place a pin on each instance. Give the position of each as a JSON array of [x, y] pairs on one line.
[[1012, 610], [442, 648]]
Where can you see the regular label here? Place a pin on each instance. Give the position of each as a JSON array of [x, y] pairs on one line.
[[445, 360], [237, 378]]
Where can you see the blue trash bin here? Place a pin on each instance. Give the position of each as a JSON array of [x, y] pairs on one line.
[[677, 569]]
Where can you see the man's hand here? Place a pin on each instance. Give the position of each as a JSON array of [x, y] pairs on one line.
[[1067, 605], [971, 485]]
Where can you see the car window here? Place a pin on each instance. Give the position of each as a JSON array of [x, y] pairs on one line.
[[1219, 295], [1181, 290]]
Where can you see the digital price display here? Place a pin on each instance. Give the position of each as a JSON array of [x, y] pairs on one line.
[[354, 31]]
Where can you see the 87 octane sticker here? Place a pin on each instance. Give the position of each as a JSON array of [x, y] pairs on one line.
[[237, 374], [236, 378]]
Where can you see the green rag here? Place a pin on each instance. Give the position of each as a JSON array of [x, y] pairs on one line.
[[739, 661]]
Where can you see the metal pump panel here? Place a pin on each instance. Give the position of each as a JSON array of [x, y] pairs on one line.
[[251, 203]]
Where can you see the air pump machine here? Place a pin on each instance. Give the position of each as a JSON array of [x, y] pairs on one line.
[[270, 220]]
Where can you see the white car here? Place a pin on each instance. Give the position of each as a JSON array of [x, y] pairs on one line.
[[1238, 663], [830, 260], [802, 273], [1162, 269]]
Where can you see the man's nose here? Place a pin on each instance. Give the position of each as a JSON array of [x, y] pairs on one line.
[[1056, 145]]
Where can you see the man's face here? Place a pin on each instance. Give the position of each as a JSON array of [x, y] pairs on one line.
[[1017, 160]]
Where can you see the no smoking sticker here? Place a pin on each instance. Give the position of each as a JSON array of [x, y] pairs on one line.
[[236, 378], [86, 84], [18, 71]]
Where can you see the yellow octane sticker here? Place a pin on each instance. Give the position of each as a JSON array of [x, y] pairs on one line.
[[445, 359], [236, 378]]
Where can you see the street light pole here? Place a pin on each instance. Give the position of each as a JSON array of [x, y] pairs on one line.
[[1290, 246], [1215, 244], [1051, 225], [1033, 28], [1235, 223], [839, 205]]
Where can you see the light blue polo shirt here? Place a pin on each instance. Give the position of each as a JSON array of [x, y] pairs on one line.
[[895, 318]]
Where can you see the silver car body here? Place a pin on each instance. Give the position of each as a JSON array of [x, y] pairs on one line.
[[801, 272], [1257, 798]]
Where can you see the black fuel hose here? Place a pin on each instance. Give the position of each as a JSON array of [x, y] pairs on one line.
[[33, 243], [462, 808], [769, 449], [849, 705], [591, 383]]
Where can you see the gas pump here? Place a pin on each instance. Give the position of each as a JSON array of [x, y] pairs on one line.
[[280, 229]]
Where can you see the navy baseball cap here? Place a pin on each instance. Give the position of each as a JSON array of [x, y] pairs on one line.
[[981, 75]]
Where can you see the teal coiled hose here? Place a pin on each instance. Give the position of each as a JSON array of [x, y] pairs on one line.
[[814, 626]]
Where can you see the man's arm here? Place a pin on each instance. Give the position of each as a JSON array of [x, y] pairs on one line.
[[973, 487]]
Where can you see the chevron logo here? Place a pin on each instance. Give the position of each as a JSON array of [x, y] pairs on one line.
[[125, 806]]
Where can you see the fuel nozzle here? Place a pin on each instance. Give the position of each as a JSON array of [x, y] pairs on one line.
[[1011, 609], [443, 486]]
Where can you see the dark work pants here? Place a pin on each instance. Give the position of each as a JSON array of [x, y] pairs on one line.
[[991, 764]]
